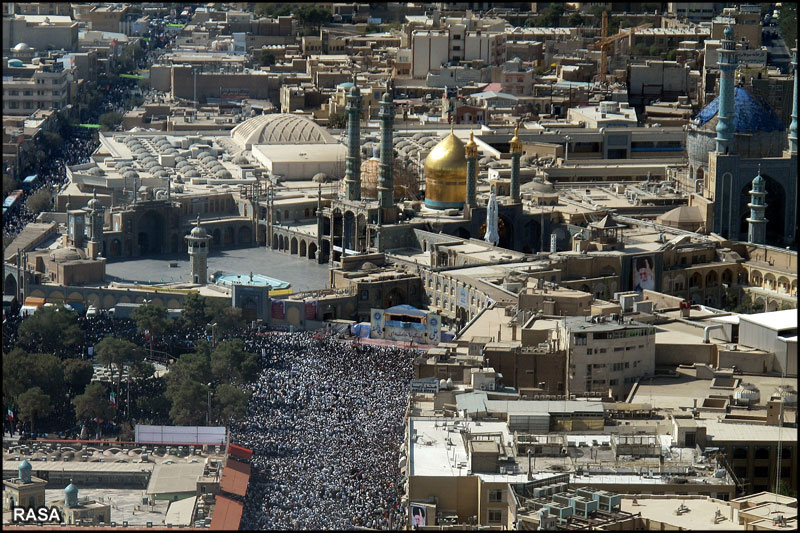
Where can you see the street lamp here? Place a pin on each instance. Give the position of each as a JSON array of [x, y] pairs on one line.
[[567, 139], [208, 415]]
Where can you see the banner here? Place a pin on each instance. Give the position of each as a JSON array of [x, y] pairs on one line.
[[278, 310], [643, 273], [311, 310], [434, 328], [419, 515], [462, 301], [425, 385], [377, 323]]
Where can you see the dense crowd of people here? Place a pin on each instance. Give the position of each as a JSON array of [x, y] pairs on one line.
[[325, 422]]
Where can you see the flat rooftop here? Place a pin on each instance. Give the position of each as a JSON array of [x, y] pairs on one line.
[[700, 516], [665, 392]]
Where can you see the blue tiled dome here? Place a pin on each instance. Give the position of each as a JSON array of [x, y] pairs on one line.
[[750, 114]]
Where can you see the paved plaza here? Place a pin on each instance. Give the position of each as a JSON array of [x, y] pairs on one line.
[[303, 274]]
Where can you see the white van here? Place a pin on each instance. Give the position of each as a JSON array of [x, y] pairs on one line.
[[91, 312]]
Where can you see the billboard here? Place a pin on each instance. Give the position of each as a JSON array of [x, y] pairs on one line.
[[643, 273], [419, 515], [376, 321], [180, 434], [425, 385]]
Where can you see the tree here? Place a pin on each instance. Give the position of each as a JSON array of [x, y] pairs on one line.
[[597, 14], [372, 28], [195, 310], [229, 319], [16, 378], [575, 20], [156, 407], [110, 121], [52, 141], [39, 201], [230, 363], [189, 402], [33, 403], [93, 403], [787, 23], [672, 55], [51, 330], [77, 374], [153, 319], [266, 59], [47, 371], [230, 403], [112, 351], [337, 120], [310, 15], [141, 370]]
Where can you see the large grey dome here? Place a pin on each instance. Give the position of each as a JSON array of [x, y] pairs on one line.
[[280, 128]]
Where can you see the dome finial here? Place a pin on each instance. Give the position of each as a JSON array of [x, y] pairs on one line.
[[450, 119], [197, 224]]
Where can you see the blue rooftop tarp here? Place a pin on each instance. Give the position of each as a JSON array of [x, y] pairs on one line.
[[408, 310], [750, 114]]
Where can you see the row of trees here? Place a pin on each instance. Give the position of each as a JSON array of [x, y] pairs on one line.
[[42, 380]]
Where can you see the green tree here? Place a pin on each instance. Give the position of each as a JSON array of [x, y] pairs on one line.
[[654, 50], [39, 201], [192, 366], [229, 404], [787, 23], [310, 15], [229, 319], [52, 141], [230, 363], [575, 20], [195, 310], [337, 120], [155, 406], [110, 121], [47, 371], [93, 403], [597, 14], [115, 352], [77, 374], [189, 402], [16, 375], [266, 59], [141, 370], [51, 330], [672, 55], [372, 28], [33, 403], [153, 319]]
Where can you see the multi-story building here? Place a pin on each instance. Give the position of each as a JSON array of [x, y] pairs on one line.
[[431, 49], [38, 86], [41, 8], [59, 33], [745, 21], [516, 79], [695, 11], [606, 355]]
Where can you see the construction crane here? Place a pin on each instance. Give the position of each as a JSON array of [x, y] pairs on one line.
[[605, 41]]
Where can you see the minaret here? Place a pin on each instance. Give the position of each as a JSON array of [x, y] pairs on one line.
[[757, 224], [727, 66], [471, 150], [319, 223], [385, 177], [492, 234], [793, 127], [516, 153], [198, 254], [95, 225], [352, 177]]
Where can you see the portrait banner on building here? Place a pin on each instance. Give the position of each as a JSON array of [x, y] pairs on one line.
[[643, 273], [278, 310], [462, 297], [419, 515], [377, 323]]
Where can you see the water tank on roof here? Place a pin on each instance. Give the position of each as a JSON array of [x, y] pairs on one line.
[[746, 394], [787, 393]]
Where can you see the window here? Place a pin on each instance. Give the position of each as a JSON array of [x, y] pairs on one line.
[[495, 516], [619, 349], [495, 495], [613, 382], [364, 294]]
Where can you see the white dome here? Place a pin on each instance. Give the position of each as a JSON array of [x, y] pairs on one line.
[[21, 47], [280, 128]]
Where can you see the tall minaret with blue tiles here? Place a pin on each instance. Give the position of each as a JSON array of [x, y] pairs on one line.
[[757, 224], [385, 167], [352, 176], [727, 66]]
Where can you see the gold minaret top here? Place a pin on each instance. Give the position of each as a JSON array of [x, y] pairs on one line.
[[471, 148], [516, 144]]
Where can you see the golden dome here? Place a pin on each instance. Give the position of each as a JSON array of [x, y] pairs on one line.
[[446, 174]]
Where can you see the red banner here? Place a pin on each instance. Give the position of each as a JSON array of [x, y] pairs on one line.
[[278, 311], [311, 310]]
